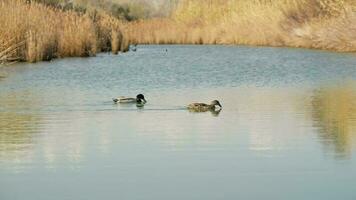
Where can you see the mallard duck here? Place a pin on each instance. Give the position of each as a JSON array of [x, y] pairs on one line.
[[202, 107], [140, 99]]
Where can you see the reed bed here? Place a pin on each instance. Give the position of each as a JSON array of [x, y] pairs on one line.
[[35, 32], [321, 24]]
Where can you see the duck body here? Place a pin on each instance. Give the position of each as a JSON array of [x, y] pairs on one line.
[[200, 107], [124, 100], [140, 99], [203, 107]]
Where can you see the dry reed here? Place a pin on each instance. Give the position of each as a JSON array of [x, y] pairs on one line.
[[321, 24], [34, 32]]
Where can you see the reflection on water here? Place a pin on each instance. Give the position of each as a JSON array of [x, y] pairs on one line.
[[2, 74], [286, 130], [334, 114], [16, 143], [17, 129]]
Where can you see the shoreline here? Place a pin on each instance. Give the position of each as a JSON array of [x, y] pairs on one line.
[[33, 32], [192, 45]]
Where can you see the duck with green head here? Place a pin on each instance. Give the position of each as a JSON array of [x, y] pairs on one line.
[[202, 107], [140, 99]]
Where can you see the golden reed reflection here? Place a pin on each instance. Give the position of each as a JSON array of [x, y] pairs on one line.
[[16, 132], [17, 129], [3, 75], [26, 135], [334, 114]]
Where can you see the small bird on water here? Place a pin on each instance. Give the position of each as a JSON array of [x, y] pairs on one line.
[[140, 99], [202, 107]]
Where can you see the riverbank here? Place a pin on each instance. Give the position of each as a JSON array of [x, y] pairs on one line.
[[317, 24], [35, 32]]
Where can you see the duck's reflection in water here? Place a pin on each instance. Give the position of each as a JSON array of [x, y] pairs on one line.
[[334, 114]]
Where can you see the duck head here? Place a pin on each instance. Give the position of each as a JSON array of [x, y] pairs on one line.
[[216, 103], [140, 98]]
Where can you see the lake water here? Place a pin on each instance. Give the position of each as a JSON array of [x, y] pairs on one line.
[[287, 129]]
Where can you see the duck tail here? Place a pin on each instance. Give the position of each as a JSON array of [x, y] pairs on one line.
[[115, 100]]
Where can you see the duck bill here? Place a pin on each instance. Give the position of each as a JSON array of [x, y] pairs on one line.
[[144, 101]]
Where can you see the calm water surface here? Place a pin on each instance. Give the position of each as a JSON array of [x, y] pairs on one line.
[[287, 129]]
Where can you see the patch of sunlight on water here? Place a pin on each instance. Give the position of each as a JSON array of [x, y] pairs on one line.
[[287, 129]]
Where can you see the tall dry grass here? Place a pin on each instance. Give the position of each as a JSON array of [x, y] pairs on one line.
[[322, 24], [34, 32]]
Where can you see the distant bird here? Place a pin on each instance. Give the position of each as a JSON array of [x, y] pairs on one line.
[[202, 107], [140, 99]]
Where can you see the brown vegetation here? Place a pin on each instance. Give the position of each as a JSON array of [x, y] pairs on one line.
[[321, 24], [34, 32]]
